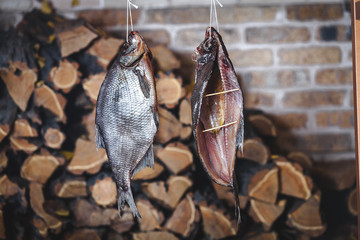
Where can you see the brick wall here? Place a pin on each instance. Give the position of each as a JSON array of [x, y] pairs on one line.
[[294, 60]]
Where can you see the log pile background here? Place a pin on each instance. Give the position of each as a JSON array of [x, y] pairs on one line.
[[54, 184]]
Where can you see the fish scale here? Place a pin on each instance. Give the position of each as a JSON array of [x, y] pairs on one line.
[[125, 122]]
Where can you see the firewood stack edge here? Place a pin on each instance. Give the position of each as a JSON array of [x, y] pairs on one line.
[[54, 184]]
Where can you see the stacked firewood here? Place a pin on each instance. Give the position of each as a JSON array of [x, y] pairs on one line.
[[54, 184]]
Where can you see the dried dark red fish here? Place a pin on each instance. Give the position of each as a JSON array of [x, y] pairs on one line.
[[217, 108]]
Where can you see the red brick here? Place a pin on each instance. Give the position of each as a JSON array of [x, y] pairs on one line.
[[152, 37], [277, 34], [108, 17], [325, 142], [273, 79], [310, 99], [178, 15], [194, 36], [291, 121], [310, 55], [253, 57], [342, 119], [334, 76], [235, 14], [255, 99], [334, 33], [316, 143], [315, 12]]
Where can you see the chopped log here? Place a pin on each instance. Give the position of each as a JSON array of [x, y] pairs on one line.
[[337, 176], [41, 226], [186, 132], [184, 218], [176, 157], [73, 36], [226, 194], [149, 173], [20, 135], [165, 59], [19, 80], [87, 214], [105, 49], [266, 213], [161, 235], [104, 192], [301, 158], [88, 121], [2, 225], [168, 89], [263, 125], [185, 112], [37, 201], [38, 168], [352, 202], [264, 185], [170, 196], [86, 158], [8, 111], [84, 234], [306, 217], [65, 76], [22, 128], [169, 126], [4, 131], [216, 224], [71, 189], [7, 187], [53, 137], [151, 218], [292, 180], [3, 160], [92, 85], [45, 97], [255, 150], [264, 236]]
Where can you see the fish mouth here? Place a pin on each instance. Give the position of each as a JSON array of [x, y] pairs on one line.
[[133, 50]]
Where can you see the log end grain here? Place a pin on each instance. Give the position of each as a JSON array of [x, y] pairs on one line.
[[216, 224], [104, 192], [176, 157]]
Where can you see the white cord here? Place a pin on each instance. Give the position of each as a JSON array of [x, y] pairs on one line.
[[214, 12], [128, 14]]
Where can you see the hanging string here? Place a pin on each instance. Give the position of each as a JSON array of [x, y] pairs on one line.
[[214, 12], [129, 15]]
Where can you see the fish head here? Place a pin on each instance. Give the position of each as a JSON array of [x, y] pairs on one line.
[[207, 49], [132, 51]]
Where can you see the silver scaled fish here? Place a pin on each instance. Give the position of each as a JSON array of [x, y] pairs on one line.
[[217, 112], [126, 116]]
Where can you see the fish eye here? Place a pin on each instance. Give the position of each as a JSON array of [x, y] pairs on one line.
[[208, 44]]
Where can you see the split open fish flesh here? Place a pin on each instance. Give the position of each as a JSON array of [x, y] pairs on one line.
[[217, 108]]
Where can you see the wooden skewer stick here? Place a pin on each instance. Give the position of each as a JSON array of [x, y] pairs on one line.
[[218, 127], [223, 92]]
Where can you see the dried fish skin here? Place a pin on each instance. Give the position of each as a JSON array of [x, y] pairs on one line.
[[217, 108], [126, 116]]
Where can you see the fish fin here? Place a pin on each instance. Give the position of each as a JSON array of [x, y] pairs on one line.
[[98, 138], [126, 196], [156, 117], [146, 161], [240, 134], [237, 202]]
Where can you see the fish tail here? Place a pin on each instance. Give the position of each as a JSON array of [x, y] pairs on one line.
[[237, 202], [126, 196]]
